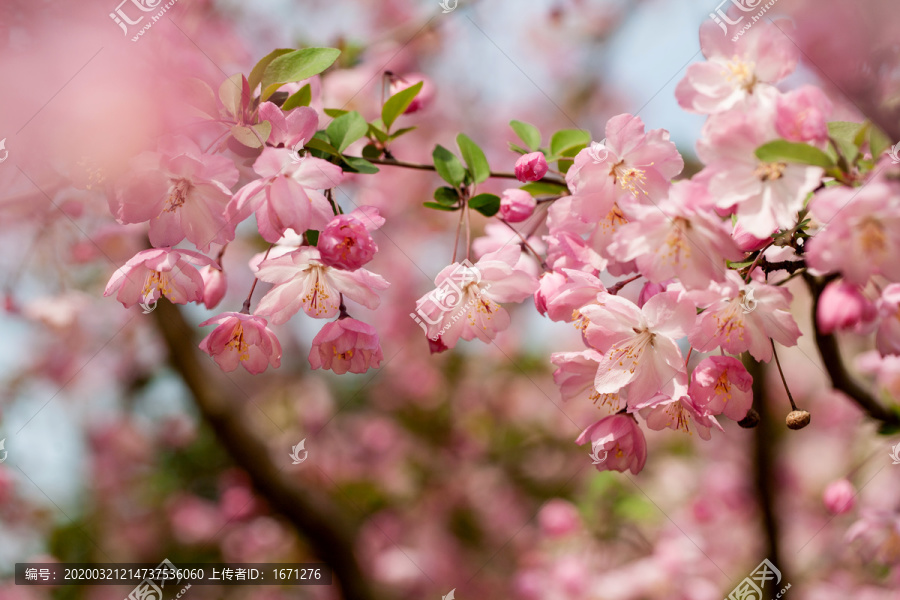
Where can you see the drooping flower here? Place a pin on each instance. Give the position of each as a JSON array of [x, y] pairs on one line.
[[678, 414], [345, 243], [562, 293], [516, 205], [744, 316], [575, 376], [466, 301], [638, 345], [214, 285], [242, 340], [843, 306], [286, 196], [735, 71], [181, 191], [346, 345], [622, 440], [302, 280], [531, 167], [633, 166], [721, 385], [159, 272]]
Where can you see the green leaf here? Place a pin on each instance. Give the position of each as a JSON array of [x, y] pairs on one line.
[[474, 157], [247, 137], [360, 165], [400, 132], [301, 97], [448, 166], [878, 141], [346, 129], [334, 113], [397, 104], [544, 188], [517, 148], [793, 152], [312, 236], [256, 74], [370, 152], [566, 140], [486, 204], [296, 66], [447, 196], [437, 206], [322, 145], [563, 165], [235, 94], [844, 134], [528, 133], [377, 133]]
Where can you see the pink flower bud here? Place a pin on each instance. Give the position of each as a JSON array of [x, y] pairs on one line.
[[649, 290], [516, 205], [746, 241], [842, 306], [422, 99], [559, 518], [214, 285], [839, 496], [345, 243], [531, 167], [346, 345], [802, 115]]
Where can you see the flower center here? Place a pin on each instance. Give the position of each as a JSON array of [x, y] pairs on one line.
[[741, 73], [872, 237], [178, 193], [317, 296], [237, 342], [630, 179], [677, 247], [156, 281], [770, 171], [723, 386], [343, 355], [629, 353]]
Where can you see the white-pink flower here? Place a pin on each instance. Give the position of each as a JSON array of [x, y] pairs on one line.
[[721, 385], [291, 129], [181, 191], [679, 413], [639, 346], [286, 196], [242, 340], [346, 345], [621, 439], [575, 376], [159, 272], [562, 293], [303, 281]]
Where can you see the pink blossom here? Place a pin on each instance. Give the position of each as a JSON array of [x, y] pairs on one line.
[[839, 497], [466, 301], [559, 518], [632, 166], [765, 195], [425, 96], [566, 250], [622, 440], [159, 272], [286, 196], [531, 167], [802, 115], [575, 375], [861, 233], [735, 71], [651, 289], [877, 534], [214, 285], [516, 205], [346, 345], [678, 414], [675, 239], [721, 385], [744, 316], [562, 293], [242, 340], [638, 345], [181, 191], [887, 339], [747, 242], [291, 129], [302, 280], [345, 242], [497, 235], [843, 306]]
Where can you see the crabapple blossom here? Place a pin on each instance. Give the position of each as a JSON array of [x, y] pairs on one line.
[[843, 306], [214, 285], [566, 250], [241, 339], [345, 243], [662, 412], [623, 441], [802, 115], [286, 196], [159, 272], [651, 289], [466, 302], [735, 71], [291, 129], [302, 280], [638, 345], [887, 338], [839, 497], [743, 316], [498, 235], [559, 518], [721, 385], [182, 191], [562, 293], [531, 167], [516, 205], [346, 345], [576, 373], [636, 167]]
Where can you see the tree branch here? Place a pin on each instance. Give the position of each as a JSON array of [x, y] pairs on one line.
[[392, 162], [310, 513], [834, 364]]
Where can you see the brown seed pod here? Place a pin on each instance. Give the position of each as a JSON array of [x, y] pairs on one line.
[[751, 420], [797, 419]]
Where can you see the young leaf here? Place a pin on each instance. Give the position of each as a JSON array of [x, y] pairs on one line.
[[400, 132], [247, 137], [542, 188], [360, 165], [793, 152], [568, 139], [319, 143], [370, 152], [447, 196], [844, 134], [517, 148], [486, 204], [474, 157], [235, 94], [377, 133], [296, 66], [448, 166], [334, 113], [398, 103], [302, 97], [346, 129], [878, 141], [312, 236], [256, 74], [528, 133], [437, 206]]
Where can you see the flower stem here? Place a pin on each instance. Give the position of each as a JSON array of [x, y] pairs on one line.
[[246, 308], [780, 372]]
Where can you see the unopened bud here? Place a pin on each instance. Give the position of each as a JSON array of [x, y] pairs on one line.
[[751, 420]]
